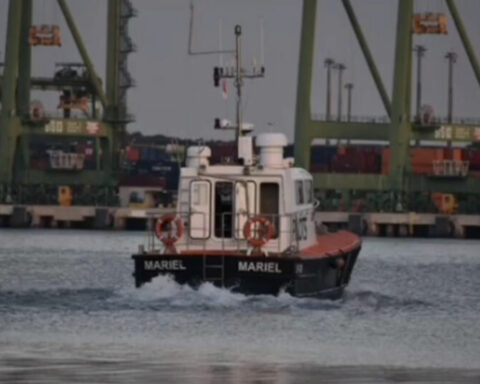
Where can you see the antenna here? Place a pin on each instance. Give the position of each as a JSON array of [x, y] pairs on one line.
[[262, 51], [238, 74], [220, 43], [190, 38]]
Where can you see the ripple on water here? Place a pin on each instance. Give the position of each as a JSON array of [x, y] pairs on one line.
[[410, 303]]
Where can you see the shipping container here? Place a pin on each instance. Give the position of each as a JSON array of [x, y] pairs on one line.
[[473, 157], [132, 154], [143, 181], [322, 154], [422, 159]]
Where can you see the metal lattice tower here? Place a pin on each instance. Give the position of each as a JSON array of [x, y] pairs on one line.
[[119, 78], [399, 130], [19, 125]]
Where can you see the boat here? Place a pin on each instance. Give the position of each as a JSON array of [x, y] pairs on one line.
[[247, 225]]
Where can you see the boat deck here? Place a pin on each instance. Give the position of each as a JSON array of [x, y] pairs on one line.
[[329, 244], [332, 244]]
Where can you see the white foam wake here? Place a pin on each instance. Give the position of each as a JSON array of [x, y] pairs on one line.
[[165, 291]]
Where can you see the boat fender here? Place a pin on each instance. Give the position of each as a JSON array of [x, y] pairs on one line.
[[340, 261], [167, 233], [263, 233]]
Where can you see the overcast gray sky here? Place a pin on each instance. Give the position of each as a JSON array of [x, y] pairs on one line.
[[174, 93]]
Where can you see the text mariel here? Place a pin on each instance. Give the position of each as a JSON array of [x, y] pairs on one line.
[[243, 266]]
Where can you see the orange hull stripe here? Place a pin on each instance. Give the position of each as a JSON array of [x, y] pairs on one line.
[[328, 245]]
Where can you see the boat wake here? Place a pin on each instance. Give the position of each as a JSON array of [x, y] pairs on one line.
[[161, 294], [164, 293], [366, 300]]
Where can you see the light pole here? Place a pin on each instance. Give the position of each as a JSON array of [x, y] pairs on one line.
[[329, 63], [452, 59], [349, 88], [340, 67], [420, 52]]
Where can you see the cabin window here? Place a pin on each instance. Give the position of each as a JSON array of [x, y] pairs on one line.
[[308, 191], [245, 203], [136, 197], [299, 198], [224, 209], [269, 204], [200, 193], [199, 223]]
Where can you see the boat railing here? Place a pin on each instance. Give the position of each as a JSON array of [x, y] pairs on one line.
[[226, 231]]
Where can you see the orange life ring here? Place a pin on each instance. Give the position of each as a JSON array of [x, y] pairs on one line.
[[264, 233], [161, 229]]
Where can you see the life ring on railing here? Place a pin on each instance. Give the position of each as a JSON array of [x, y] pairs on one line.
[[165, 234], [260, 236]]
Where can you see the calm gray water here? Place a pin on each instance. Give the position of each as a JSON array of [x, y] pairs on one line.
[[69, 313]]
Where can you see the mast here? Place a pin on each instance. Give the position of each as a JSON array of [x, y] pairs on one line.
[[238, 74], [238, 80]]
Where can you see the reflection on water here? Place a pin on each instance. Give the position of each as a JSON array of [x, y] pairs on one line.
[[69, 313], [106, 371]]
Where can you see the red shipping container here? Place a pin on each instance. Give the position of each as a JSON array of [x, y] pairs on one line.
[[133, 154], [458, 154]]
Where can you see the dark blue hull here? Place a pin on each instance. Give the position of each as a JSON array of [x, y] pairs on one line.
[[322, 277]]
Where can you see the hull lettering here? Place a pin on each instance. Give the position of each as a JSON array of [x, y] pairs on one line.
[[164, 265], [258, 266]]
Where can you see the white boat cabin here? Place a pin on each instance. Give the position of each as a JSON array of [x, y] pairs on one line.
[[215, 202]]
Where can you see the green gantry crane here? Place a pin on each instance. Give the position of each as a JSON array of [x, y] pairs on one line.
[[23, 121], [399, 189]]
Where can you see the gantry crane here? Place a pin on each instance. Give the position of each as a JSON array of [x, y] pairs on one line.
[[24, 121], [400, 189]]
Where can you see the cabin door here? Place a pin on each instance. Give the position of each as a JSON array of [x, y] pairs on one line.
[[200, 207], [245, 201], [270, 204], [224, 203]]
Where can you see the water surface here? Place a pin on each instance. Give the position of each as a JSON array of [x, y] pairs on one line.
[[69, 313]]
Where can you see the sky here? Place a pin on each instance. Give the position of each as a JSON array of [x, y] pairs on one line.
[[174, 93]]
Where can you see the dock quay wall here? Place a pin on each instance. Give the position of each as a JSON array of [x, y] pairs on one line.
[[123, 218], [409, 224], [79, 217]]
